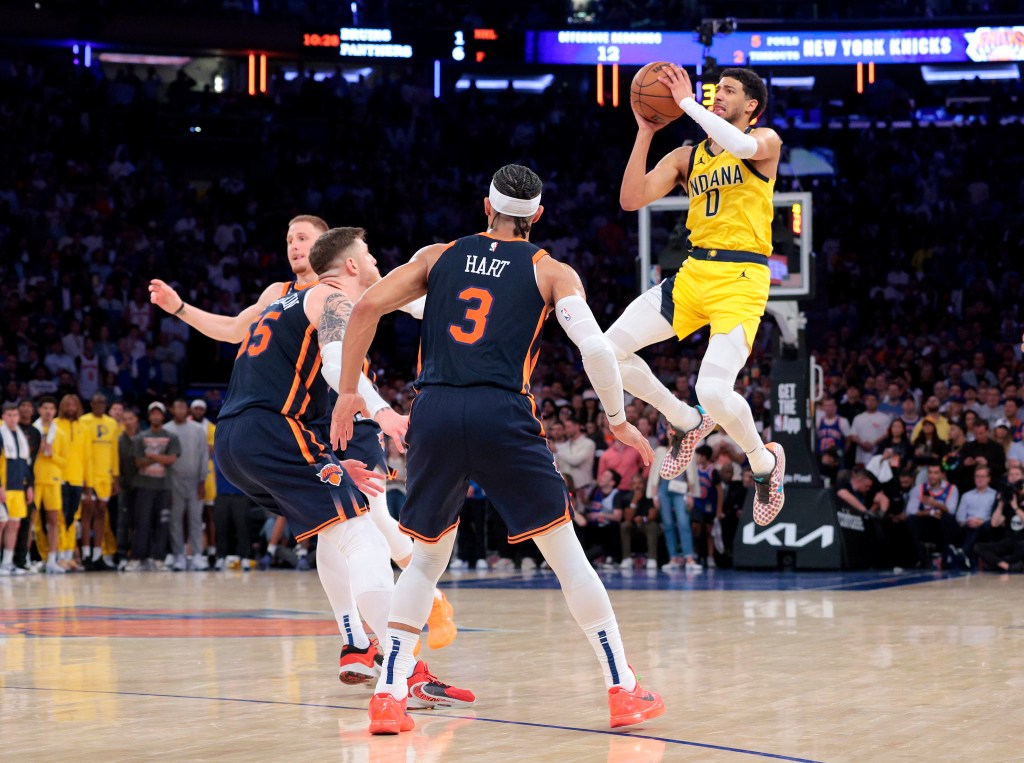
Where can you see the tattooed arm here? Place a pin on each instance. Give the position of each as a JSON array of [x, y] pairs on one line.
[[334, 318], [329, 310]]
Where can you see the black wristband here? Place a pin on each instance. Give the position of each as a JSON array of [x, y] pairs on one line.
[[181, 309]]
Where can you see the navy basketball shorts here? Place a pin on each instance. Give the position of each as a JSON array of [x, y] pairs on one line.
[[283, 466], [366, 445], [487, 435]]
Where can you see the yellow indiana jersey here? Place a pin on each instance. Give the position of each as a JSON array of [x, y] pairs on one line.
[[730, 203], [49, 470], [77, 450], [100, 434]]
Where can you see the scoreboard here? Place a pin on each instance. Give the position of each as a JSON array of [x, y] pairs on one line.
[[796, 48], [459, 45]]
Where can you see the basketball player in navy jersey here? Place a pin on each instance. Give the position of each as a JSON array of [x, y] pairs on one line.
[[269, 446], [354, 276], [475, 419]]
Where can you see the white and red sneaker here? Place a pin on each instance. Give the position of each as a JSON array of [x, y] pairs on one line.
[[769, 494], [359, 666], [682, 447], [426, 691]]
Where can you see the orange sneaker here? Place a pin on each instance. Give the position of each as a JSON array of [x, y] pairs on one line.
[[388, 716], [441, 628], [426, 691], [631, 707], [358, 666]]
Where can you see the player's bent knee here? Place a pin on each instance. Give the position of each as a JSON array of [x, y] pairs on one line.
[[711, 393]]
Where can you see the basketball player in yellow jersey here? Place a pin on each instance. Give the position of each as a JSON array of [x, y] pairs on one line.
[[102, 468], [68, 414], [729, 178], [49, 474]]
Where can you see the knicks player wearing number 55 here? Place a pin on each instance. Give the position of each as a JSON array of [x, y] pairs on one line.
[[474, 418], [270, 446], [729, 178]]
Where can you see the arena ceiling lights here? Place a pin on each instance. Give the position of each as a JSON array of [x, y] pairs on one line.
[[534, 84], [941, 74]]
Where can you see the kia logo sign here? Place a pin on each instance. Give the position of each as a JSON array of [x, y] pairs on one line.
[[752, 537]]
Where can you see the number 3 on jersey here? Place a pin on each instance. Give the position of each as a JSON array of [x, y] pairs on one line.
[[476, 314], [258, 338]]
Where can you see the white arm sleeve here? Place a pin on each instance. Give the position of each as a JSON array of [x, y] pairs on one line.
[[732, 139], [374, 402], [415, 308], [576, 318], [330, 354]]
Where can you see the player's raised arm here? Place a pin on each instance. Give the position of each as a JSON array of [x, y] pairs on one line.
[[223, 328], [565, 291], [759, 144]]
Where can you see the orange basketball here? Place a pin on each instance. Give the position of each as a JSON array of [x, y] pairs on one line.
[[652, 99]]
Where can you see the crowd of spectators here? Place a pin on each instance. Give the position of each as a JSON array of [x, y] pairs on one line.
[[102, 187]]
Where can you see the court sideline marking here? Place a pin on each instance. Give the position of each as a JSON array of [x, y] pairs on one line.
[[425, 714]]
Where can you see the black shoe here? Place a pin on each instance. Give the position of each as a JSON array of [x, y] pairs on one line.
[[964, 560], [101, 566], [88, 565]]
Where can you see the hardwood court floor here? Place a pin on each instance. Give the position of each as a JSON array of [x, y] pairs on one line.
[[233, 666]]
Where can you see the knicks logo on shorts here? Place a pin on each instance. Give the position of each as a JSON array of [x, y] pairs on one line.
[[330, 474]]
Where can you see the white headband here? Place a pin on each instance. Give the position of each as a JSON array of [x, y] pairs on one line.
[[507, 205]]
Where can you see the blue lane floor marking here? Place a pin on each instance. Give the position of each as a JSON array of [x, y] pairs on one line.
[[425, 714]]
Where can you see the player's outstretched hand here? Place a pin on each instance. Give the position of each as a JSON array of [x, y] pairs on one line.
[[678, 81], [348, 405], [394, 425], [630, 435], [163, 296], [368, 481]]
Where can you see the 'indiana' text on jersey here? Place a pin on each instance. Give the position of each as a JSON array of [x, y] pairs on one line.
[[730, 203], [483, 315], [277, 368]]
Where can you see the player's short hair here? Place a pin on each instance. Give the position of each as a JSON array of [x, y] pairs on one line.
[[331, 244], [753, 87], [704, 450], [519, 182], [317, 222], [10, 406], [40, 402]]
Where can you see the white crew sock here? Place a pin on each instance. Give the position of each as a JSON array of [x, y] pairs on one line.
[[398, 663], [86, 553], [8, 558], [51, 558], [97, 552]]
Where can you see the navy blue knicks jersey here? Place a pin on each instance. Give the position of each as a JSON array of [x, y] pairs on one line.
[[483, 315], [277, 368]]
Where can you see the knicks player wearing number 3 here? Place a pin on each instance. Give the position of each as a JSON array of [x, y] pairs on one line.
[[474, 418], [729, 178]]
